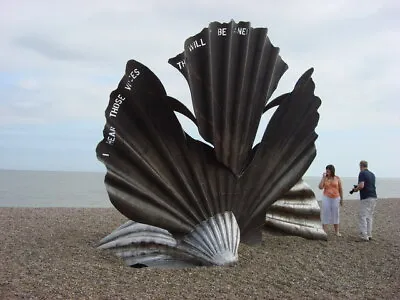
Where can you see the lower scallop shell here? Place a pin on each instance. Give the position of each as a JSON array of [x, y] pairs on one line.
[[214, 241]]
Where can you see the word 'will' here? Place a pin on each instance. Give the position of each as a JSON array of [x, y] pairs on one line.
[[196, 44]]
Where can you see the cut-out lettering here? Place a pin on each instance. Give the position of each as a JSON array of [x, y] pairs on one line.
[[196, 44], [116, 105], [131, 77], [221, 31], [241, 30], [111, 136], [181, 64]]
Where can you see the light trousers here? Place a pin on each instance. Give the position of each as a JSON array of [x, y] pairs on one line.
[[330, 210], [367, 208]]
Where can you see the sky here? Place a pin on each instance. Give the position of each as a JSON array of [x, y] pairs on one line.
[[60, 60]]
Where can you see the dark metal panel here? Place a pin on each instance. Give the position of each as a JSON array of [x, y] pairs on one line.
[[232, 70]]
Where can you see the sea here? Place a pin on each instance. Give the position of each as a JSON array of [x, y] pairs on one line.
[[86, 189]]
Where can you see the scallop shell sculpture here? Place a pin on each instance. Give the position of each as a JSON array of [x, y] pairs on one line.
[[204, 199], [297, 213]]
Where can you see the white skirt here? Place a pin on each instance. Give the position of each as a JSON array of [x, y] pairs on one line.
[[330, 210]]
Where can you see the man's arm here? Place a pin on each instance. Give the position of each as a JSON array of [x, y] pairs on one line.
[[361, 180], [360, 186]]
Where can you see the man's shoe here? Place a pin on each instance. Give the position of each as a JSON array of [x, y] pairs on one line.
[[363, 238]]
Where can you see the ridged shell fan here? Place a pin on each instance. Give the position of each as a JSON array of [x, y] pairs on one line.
[[204, 200], [232, 70]]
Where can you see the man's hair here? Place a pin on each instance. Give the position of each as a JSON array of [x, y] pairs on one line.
[[364, 164]]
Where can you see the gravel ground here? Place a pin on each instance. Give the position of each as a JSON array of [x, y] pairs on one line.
[[49, 253]]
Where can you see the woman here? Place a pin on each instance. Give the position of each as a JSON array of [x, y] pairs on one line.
[[332, 196]]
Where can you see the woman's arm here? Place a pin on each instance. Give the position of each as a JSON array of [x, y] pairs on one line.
[[322, 182], [340, 191]]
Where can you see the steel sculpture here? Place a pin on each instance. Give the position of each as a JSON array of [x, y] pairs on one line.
[[190, 203]]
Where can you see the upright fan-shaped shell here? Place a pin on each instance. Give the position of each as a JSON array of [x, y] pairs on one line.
[[155, 169], [232, 70]]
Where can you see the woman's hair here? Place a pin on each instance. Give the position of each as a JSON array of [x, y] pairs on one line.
[[332, 169]]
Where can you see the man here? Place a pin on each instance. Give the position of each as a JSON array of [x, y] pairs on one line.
[[368, 198]]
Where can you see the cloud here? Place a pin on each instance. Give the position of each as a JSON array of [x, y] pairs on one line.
[[60, 61], [49, 48]]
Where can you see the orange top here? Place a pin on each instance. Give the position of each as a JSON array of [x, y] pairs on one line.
[[331, 187]]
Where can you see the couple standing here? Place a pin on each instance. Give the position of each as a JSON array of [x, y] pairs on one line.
[[333, 196]]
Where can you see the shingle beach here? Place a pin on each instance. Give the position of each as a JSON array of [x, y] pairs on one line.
[[50, 253]]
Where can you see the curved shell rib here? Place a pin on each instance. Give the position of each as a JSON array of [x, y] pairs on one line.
[[297, 213], [215, 240]]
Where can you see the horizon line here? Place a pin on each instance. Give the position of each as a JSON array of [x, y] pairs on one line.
[[105, 171]]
